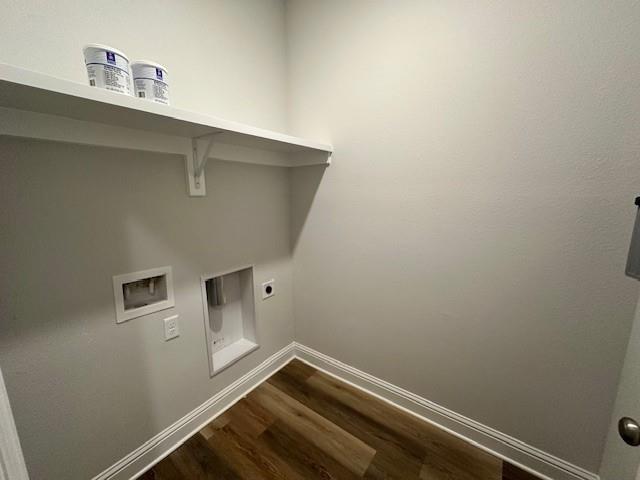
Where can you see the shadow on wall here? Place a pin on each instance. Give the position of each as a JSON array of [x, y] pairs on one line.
[[305, 182], [72, 218]]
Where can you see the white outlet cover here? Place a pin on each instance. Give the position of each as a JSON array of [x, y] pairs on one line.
[[268, 289], [171, 327]]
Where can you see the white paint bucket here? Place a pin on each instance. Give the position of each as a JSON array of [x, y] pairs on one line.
[[107, 68], [150, 81]]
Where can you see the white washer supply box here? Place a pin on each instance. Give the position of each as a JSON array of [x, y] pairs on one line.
[[150, 81], [107, 68]]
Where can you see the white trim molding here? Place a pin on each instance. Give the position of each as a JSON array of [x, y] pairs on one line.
[[531, 459], [165, 442], [12, 466]]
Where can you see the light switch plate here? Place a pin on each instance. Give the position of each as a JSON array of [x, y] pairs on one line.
[[171, 328]]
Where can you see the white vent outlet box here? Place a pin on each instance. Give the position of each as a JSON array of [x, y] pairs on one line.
[[141, 293], [229, 317]]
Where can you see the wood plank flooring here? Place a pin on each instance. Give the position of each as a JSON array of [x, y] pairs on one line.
[[302, 424]]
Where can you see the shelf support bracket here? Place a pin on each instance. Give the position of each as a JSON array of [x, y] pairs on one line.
[[196, 163]]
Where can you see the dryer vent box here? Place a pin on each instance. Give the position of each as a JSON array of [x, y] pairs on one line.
[[229, 317], [141, 293]]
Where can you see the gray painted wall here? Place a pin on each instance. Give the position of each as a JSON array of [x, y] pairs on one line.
[[85, 391], [468, 242], [224, 57]]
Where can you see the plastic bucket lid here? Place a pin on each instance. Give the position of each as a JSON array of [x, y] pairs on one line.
[[148, 63], [105, 47]]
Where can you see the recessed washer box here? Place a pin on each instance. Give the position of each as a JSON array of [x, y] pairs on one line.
[[229, 317], [141, 293]]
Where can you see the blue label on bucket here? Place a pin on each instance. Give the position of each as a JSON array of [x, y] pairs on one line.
[[111, 57], [159, 73]]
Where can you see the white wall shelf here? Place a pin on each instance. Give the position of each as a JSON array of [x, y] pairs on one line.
[[38, 106]]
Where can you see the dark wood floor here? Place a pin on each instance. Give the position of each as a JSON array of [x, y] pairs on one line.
[[303, 424]]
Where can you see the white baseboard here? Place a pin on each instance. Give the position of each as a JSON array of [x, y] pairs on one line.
[[529, 458], [497, 443], [161, 445]]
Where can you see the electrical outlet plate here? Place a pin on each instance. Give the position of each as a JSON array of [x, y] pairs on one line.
[[268, 289], [171, 328]]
